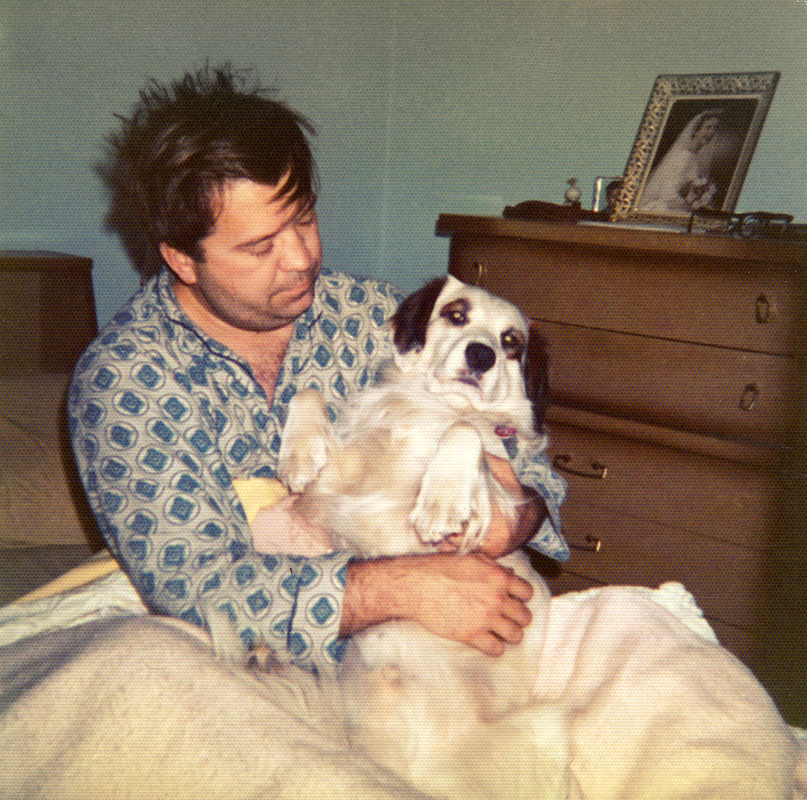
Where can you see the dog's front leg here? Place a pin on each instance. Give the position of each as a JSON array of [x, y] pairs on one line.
[[306, 440], [454, 496]]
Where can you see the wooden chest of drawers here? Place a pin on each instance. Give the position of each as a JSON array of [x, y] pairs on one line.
[[47, 311], [677, 382]]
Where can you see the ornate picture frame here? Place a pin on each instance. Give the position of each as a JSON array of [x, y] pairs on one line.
[[694, 145]]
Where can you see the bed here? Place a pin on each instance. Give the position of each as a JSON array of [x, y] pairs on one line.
[[286, 726], [45, 525], [66, 604]]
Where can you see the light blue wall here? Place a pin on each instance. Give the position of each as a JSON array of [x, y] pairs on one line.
[[423, 106]]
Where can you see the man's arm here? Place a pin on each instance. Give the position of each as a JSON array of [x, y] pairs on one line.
[[154, 466], [504, 535], [469, 599]]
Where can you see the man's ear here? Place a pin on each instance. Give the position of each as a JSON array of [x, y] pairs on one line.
[[181, 264]]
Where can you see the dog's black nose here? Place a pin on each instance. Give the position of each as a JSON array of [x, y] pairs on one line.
[[479, 357]]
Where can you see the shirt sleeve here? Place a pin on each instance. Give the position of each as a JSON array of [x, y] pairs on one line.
[[170, 515], [534, 470]]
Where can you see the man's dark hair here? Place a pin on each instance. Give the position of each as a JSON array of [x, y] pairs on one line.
[[169, 160]]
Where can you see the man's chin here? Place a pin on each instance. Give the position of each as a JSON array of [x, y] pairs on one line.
[[297, 301], [300, 291]]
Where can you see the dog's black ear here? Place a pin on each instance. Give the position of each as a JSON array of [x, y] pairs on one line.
[[410, 321], [536, 376]]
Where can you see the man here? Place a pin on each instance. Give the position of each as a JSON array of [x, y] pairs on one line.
[[186, 389]]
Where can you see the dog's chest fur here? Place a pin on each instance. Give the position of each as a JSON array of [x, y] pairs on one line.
[[378, 453]]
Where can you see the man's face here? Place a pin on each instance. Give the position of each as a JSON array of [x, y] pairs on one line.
[[259, 262]]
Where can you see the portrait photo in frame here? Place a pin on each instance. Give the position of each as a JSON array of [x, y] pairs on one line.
[[606, 193], [694, 145]]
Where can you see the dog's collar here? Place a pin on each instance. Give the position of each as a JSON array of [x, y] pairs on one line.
[[505, 431]]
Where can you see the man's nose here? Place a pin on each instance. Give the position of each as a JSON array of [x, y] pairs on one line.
[[300, 249]]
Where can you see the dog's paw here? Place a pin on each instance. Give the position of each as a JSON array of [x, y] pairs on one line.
[[298, 467], [306, 440], [453, 496], [436, 517]]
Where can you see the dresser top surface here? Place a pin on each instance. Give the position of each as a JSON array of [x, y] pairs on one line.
[[39, 260], [603, 235]]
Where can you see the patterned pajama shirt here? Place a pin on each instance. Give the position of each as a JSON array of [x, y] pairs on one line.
[[163, 419]]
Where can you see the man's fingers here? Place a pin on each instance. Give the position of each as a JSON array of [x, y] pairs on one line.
[[489, 644], [518, 587], [504, 631], [518, 612], [509, 631]]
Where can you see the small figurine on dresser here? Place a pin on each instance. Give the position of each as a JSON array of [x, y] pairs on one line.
[[573, 193]]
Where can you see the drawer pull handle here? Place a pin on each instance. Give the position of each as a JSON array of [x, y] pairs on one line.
[[595, 470], [592, 545], [749, 397], [478, 274], [764, 310]]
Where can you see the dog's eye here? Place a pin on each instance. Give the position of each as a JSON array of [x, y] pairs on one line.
[[513, 343], [456, 312]]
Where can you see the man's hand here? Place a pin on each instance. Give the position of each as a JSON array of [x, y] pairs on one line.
[[469, 599], [504, 535]]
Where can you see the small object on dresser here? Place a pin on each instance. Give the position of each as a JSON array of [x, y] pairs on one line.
[[606, 193], [550, 212], [573, 193], [751, 225]]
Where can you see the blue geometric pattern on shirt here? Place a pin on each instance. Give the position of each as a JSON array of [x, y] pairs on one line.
[[335, 649], [164, 418], [322, 609]]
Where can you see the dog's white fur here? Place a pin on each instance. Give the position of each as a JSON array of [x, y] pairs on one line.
[[410, 450], [403, 468], [400, 470]]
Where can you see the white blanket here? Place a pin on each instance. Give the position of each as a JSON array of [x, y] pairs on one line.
[[99, 699]]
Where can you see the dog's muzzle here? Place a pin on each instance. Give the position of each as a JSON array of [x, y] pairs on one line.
[[479, 357]]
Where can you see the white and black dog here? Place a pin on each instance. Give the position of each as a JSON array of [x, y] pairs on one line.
[[611, 697], [410, 449], [401, 470]]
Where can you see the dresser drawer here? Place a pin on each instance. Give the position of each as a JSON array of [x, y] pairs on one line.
[[723, 577], [683, 493], [718, 391], [678, 296], [642, 513]]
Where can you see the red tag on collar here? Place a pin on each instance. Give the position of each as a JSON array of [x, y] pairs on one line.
[[505, 431]]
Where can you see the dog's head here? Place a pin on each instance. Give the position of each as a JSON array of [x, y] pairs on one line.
[[473, 349]]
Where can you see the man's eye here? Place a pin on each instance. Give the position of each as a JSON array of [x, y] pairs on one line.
[[261, 250]]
